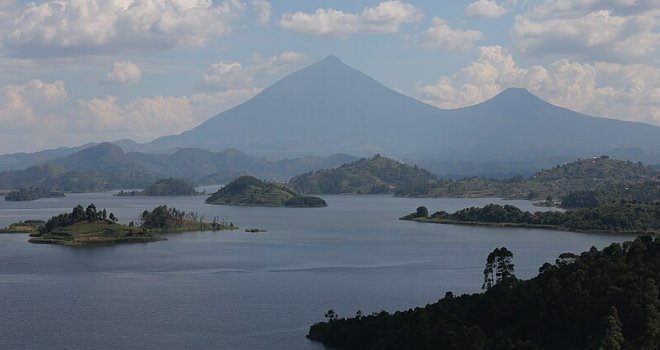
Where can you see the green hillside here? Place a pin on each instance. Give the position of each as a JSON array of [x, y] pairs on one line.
[[250, 191], [164, 188], [368, 175]]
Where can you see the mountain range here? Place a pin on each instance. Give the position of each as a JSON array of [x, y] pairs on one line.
[[329, 107]]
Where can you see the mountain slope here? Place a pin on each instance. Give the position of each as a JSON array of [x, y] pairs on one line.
[[330, 107], [373, 175], [250, 191]]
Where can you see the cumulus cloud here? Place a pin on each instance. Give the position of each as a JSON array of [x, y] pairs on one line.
[[74, 27], [386, 17], [486, 8], [226, 75], [144, 119], [124, 72], [30, 105], [263, 10], [630, 92], [441, 36], [608, 30]]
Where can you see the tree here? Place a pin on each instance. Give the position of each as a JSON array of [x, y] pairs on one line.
[[613, 337], [113, 217], [499, 268], [422, 212], [104, 214]]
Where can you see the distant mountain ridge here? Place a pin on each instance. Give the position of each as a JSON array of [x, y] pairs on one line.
[[107, 166], [329, 107]]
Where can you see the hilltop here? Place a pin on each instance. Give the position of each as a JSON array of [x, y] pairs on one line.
[[164, 188], [30, 194], [250, 191], [368, 175]]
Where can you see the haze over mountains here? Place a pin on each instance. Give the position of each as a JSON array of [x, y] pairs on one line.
[[329, 107]]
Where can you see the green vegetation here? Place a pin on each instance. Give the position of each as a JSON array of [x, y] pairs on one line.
[[605, 299], [89, 226], [30, 194], [169, 220], [86, 226], [27, 226], [164, 187], [615, 217], [250, 191], [366, 176], [609, 179]]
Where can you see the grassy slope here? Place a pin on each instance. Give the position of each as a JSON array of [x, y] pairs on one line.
[[97, 232]]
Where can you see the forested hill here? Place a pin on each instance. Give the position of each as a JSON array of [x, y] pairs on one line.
[[596, 300], [368, 175], [107, 166], [250, 191], [626, 179]]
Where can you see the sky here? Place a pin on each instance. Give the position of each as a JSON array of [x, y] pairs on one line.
[[78, 71]]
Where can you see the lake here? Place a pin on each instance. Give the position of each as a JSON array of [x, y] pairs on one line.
[[238, 290]]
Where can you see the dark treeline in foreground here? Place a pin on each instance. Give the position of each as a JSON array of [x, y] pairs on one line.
[[78, 214], [605, 299], [619, 217], [30, 194]]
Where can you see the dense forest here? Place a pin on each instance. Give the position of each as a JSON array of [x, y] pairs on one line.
[[619, 217], [600, 299], [30, 194], [164, 218]]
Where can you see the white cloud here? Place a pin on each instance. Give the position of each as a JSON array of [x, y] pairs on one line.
[[144, 119], [124, 72], [263, 10], [386, 17], [610, 30], [441, 36], [485, 8], [630, 92], [30, 105], [74, 27], [227, 75]]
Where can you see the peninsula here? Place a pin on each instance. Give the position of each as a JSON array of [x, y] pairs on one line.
[[250, 191]]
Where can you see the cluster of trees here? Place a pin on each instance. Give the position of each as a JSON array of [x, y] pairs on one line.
[[163, 217], [606, 299], [30, 194], [644, 192], [619, 216], [78, 214]]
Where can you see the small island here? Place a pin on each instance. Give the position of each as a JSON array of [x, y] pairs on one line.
[[91, 226], [250, 191], [27, 226], [164, 188], [615, 217], [30, 194]]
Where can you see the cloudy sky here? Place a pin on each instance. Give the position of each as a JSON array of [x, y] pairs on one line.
[[75, 71]]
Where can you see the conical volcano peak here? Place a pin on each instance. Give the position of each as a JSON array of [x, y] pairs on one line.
[[331, 59], [517, 94]]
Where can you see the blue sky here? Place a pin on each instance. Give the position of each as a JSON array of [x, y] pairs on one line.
[[76, 71]]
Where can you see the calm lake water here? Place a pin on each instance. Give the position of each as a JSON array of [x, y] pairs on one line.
[[238, 290]]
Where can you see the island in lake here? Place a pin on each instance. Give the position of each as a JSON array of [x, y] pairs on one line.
[[250, 191], [614, 217], [600, 299], [165, 188], [27, 226], [30, 194], [89, 226]]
